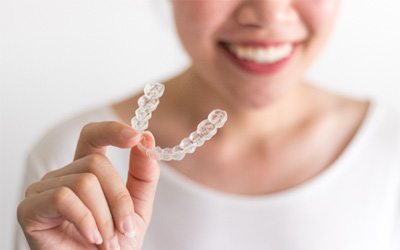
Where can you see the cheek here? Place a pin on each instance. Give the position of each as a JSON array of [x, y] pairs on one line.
[[198, 21], [197, 17], [195, 11], [319, 15]]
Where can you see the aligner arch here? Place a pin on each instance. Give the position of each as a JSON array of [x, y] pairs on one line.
[[206, 129]]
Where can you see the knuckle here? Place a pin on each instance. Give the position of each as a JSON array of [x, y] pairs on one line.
[[86, 131], [23, 217], [30, 189], [94, 161], [47, 175], [85, 218], [122, 200], [21, 213], [86, 128], [61, 196], [107, 227], [86, 181]]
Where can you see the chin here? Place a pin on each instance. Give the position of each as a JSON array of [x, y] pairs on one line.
[[256, 101], [259, 95]]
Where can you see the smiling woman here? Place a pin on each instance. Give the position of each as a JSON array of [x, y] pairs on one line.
[[295, 167], [289, 34]]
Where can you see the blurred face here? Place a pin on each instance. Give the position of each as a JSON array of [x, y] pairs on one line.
[[253, 51]]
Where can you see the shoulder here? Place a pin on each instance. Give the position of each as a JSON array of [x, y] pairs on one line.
[[57, 146], [375, 127], [385, 121], [381, 134], [376, 119]]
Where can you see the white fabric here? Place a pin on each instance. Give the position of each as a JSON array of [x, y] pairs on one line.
[[354, 204]]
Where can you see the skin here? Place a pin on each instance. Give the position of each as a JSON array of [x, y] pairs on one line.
[[278, 124], [275, 138], [85, 204]]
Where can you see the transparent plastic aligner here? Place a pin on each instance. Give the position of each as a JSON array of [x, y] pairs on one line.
[[206, 129], [147, 104]]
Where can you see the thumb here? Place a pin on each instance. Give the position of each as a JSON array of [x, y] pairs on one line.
[[143, 176]]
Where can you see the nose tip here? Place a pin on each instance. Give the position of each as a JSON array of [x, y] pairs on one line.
[[247, 16], [261, 13]]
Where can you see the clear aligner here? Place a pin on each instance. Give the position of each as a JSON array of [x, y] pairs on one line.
[[147, 104], [205, 130]]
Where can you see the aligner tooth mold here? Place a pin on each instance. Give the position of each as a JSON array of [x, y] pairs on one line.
[[204, 132]]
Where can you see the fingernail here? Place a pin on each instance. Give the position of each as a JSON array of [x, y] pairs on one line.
[[128, 226], [143, 143], [97, 237], [146, 140], [113, 244]]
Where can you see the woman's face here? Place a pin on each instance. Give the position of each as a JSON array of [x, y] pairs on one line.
[[253, 51]]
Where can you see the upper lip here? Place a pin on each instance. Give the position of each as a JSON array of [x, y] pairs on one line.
[[254, 43]]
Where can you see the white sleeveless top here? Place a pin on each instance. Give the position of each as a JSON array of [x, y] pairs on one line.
[[353, 204]]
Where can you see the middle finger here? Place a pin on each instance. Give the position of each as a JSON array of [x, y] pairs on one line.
[[117, 195], [88, 189]]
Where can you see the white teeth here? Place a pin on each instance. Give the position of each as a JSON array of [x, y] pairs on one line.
[[262, 55]]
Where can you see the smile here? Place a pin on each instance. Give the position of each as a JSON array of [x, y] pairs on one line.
[[270, 54], [259, 59]]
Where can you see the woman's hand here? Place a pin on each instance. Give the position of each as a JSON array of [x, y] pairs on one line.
[[86, 205]]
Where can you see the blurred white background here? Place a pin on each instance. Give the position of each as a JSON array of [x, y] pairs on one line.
[[58, 58]]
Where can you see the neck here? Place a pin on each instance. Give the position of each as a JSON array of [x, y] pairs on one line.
[[193, 94]]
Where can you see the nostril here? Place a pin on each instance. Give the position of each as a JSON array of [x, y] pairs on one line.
[[246, 15], [259, 14]]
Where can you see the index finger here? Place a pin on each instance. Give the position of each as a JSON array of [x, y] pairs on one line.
[[95, 137]]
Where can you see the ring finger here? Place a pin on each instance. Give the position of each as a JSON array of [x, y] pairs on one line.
[[87, 187]]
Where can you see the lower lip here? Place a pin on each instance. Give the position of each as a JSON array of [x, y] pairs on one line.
[[259, 68]]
